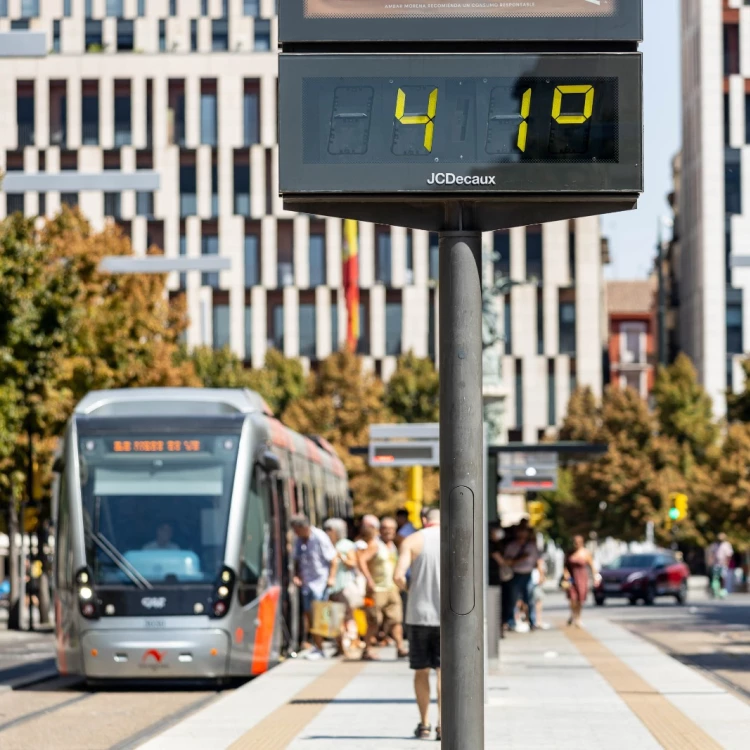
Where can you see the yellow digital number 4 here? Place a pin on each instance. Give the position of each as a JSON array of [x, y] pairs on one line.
[[426, 119], [588, 104]]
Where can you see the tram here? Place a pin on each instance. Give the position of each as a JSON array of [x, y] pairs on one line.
[[173, 555]]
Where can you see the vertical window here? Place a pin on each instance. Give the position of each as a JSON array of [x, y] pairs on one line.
[[728, 249], [149, 113], [507, 327], [251, 8], [539, 322], [123, 113], [125, 35], [567, 320], [241, 176], [141, 8], [68, 8], [144, 203], [734, 322], [307, 330], [317, 257], [215, 185], [262, 35], [251, 113], [727, 119], [56, 36], [252, 260], [172, 7], [90, 113], [14, 203], [219, 34], [176, 112], [572, 251], [732, 181], [277, 327], [363, 344], [204, 7], [25, 113], [334, 327], [188, 201], [285, 254], [193, 35], [248, 332], [534, 253], [58, 113], [115, 8], [434, 256], [551, 394], [69, 199], [210, 246], [501, 251], [383, 256], [93, 35], [220, 326], [112, 205], [29, 8], [225, 8], [731, 49], [393, 315], [183, 254], [409, 258], [3, 8], [747, 118], [632, 343], [162, 35], [519, 393], [209, 113], [42, 204]]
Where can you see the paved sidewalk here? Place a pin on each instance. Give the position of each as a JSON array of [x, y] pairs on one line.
[[584, 690]]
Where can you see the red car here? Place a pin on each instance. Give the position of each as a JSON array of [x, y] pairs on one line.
[[643, 576]]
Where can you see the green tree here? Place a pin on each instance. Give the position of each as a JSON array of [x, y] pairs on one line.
[[217, 368], [413, 392], [738, 404], [583, 418], [281, 380]]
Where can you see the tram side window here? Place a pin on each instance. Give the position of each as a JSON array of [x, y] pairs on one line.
[[255, 536], [64, 556]]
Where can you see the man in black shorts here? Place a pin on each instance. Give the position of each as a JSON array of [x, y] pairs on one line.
[[421, 552]]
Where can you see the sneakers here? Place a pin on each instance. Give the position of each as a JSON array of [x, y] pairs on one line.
[[315, 654]]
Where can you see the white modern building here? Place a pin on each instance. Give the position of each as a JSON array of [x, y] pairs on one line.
[[713, 276], [161, 116]]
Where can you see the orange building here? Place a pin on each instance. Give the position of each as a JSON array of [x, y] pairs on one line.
[[632, 334]]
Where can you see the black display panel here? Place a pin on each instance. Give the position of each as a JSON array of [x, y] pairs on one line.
[[316, 21], [506, 123]]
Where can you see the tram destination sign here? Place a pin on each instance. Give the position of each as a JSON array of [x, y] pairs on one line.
[[460, 124], [321, 21]]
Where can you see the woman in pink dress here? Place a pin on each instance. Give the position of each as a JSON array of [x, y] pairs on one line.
[[577, 566]]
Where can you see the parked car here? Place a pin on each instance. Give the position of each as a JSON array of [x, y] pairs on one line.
[[643, 576]]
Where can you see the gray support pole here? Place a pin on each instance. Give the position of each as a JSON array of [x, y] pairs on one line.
[[461, 491]]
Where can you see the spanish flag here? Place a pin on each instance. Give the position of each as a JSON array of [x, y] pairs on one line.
[[351, 283]]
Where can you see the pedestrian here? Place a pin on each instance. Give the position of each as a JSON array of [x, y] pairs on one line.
[[405, 526], [538, 577], [521, 555], [342, 580], [313, 557], [576, 574], [720, 554], [420, 553], [378, 564]]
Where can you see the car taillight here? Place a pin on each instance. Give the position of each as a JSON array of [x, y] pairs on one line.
[[223, 591]]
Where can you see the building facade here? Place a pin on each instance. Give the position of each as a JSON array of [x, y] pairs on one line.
[[632, 340], [713, 275], [161, 116]]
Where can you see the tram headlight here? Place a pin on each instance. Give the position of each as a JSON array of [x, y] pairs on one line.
[[85, 593], [87, 602], [223, 592]]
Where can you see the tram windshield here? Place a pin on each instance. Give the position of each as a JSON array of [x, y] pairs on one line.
[[156, 506]]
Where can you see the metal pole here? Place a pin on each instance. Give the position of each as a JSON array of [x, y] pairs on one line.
[[662, 300], [461, 491]]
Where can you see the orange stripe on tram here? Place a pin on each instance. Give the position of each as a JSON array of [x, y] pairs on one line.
[[264, 632]]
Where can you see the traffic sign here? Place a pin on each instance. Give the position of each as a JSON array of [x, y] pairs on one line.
[[321, 21]]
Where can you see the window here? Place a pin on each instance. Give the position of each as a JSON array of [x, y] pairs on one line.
[[534, 253], [363, 343], [56, 36], [29, 8], [277, 327], [215, 185], [42, 204], [572, 251], [115, 8], [193, 35], [25, 113], [204, 7], [253, 561], [93, 35], [68, 8], [431, 325], [251, 113], [383, 256], [334, 327], [69, 199], [539, 321], [188, 200], [210, 246], [285, 253], [15, 203], [317, 259], [519, 393], [144, 203], [125, 35], [747, 118], [727, 119], [262, 35], [501, 250], [251, 8], [567, 319], [307, 330], [551, 393], [4, 8], [183, 254], [90, 113], [225, 8], [209, 114], [631, 379], [141, 8], [409, 258], [176, 112], [393, 315], [248, 332], [734, 323], [252, 260], [219, 34], [507, 327], [123, 115], [112, 205], [434, 256], [732, 181], [633, 343], [731, 49], [149, 113], [172, 7], [89, 8], [20, 24], [162, 36], [220, 326], [242, 184]]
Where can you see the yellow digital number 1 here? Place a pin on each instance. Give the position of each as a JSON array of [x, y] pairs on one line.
[[588, 104], [426, 119]]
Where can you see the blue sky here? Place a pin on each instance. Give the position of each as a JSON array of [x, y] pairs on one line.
[[632, 234]]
